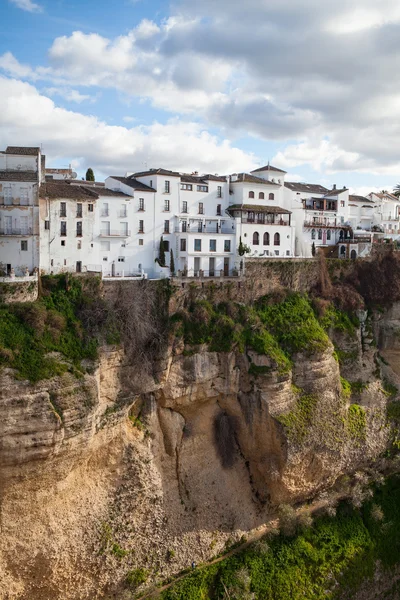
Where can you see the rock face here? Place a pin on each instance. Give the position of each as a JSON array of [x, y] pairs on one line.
[[92, 486]]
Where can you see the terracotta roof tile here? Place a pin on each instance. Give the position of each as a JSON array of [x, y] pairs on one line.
[[22, 150], [313, 188], [259, 208], [268, 168]]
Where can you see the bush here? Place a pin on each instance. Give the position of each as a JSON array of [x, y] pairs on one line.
[[136, 577]]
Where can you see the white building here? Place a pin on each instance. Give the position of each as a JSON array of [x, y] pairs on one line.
[[60, 174], [256, 204], [361, 213], [21, 172], [386, 213]]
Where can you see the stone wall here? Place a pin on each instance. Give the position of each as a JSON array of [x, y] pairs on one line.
[[21, 289]]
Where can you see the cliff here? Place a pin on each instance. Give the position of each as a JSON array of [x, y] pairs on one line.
[[200, 415]]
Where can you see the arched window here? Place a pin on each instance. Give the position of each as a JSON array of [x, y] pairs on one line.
[[313, 234], [320, 234], [343, 250], [266, 239], [353, 254], [328, 234], [251, 194], [261, 196], [277, 239], [256, 239], [271, 196]]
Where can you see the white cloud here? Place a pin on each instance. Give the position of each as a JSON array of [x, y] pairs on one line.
[[70, 95], [30, 118], [27, 5]]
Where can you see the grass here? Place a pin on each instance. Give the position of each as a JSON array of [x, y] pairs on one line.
[[31, 331], [357, 422], [298, 421], [322, 562]]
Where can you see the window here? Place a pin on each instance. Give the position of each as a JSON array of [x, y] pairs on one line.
[[105, 246], [24, 245], [166, 205], [261, 196], [219, 213], [78, 266], [266, 239], [199, 226], [328, 234], [90, 207], [271, 196], [320, 234], [342, 203], [47, 224], [121, 258], [65, 262], [184, 226], [227, 245], [104, 210], [186, 186], [79, 245], [202, 188], [256, 239], [251, 194], [105, 228], [276, 252], [63, 230], [201, 208], [52, 262], [141, 203], [250, 217], [24, 198], [7, 195], [219, 191], [105, 259], [62, 242], [79, 229], [213, 245], [79, 211], [184, 206], [166, 226], [166, 245], [183, 245], [124, 229], [122, 212], [141, 227], [197, 245], [63, 209], [277, 240], [166, 187], [141, 242], [151, 183]]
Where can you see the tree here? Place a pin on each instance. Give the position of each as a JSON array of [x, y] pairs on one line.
[[313, 249], [90, 175], [242, 248], [172, 263], [396, 190], [161, 253]]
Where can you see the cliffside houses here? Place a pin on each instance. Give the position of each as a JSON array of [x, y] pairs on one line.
[[52, 221]]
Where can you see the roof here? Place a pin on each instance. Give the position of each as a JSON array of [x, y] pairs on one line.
[[353, 198], [268, 167], [83, 182], [18, 176], [23, 150], [210, 177], [106, 192], [201, 178], [157, 172], [335, 192], [246, 178], [58, 170], [133, 183], [385, 195], [63, 190], [260, 209], [313, 188]]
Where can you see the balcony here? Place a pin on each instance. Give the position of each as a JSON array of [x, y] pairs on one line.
[[275, 220], [16, 231], [122, 214], [214, 229], [105, 213], [325, 224], [111, 233], [63, 213]]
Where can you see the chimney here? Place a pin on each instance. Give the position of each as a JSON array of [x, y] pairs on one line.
[[334, 186]]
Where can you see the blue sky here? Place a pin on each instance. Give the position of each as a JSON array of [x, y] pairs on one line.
[[207, 86]]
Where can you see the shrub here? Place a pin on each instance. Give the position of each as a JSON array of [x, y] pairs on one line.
[[287, 520], [136, 577], [357, 421]]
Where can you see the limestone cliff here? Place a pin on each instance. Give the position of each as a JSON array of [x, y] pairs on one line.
[[122, 468]]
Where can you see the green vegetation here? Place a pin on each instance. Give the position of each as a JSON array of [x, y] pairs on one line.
[[323, 562], [276, 327], [346, 388], [29, 332], [389, 389], [298, 421], [333, 318], [357, 421], [136, 577]]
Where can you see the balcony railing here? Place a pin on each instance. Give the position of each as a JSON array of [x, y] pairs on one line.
[[320, 209], [115, 233], [325, 225], [105, 213], [16, 231], [199, 274], [63, 213], [205, 229], [274, 221], [122, 214]]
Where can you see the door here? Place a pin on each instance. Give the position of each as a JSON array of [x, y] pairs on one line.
[[105, 228], [211, 267], [226, 266], [24, 225], [7, 225], [79, 266], [196, 266]]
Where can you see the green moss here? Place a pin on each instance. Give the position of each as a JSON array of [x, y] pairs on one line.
[[357, 387], [333, 318], [357, 422], [346, 388], [389, 389], [393, 411], [298, 420]]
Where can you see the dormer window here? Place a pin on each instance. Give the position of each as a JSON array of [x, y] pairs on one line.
[[251, 194]]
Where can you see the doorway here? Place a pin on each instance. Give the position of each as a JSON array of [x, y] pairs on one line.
[[226, 266], [196, 266], [211, 266]]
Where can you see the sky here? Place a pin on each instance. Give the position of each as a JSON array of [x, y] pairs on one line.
[[215, 86]]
